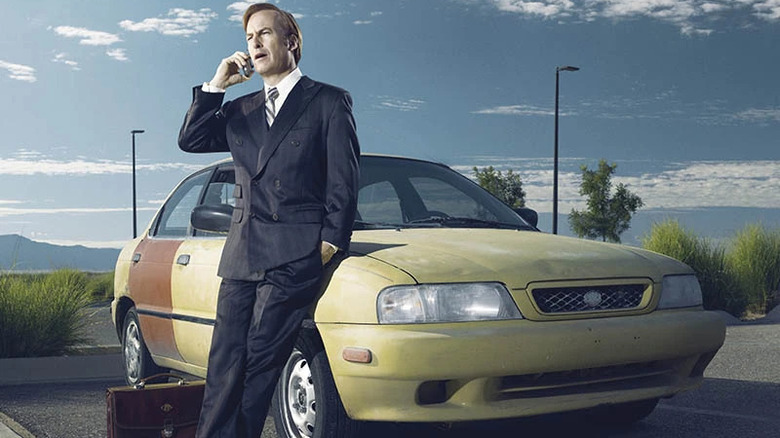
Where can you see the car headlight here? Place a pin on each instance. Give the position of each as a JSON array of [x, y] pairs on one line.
[[445, 303], [680, 291]]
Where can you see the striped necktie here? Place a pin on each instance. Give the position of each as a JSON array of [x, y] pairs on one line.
[[270, 105]]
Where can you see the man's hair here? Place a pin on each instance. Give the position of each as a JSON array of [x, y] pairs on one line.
[[290, 26]]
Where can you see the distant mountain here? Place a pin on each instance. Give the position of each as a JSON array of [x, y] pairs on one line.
[[19, 253]]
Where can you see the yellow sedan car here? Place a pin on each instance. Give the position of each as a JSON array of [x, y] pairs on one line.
[[450, 307]]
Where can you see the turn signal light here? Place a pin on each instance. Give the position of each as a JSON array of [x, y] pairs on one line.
[[356, 355]]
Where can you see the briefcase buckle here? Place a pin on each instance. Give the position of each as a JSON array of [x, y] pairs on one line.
[[167, 431]]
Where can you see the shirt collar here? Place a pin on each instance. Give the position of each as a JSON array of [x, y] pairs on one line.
[[284, 87]]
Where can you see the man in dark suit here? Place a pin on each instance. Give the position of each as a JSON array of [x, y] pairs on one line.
[[296, 161]]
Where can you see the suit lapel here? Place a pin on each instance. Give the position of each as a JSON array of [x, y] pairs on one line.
[[255, 118], [294, 106]]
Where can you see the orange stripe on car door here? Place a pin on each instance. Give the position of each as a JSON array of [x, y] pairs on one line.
[[150, 289]]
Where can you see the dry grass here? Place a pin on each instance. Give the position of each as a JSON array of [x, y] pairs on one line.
[[740, 277], [41, 314]]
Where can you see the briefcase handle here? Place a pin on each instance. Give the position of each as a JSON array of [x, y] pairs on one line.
[[142, 383]]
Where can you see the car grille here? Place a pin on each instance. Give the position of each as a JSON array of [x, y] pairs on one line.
[[636, 375], [589, 298]]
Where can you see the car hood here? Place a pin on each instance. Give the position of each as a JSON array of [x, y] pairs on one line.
[[516, 258]]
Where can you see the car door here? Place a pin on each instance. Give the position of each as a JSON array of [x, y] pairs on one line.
[[195, 284], [150, 274]]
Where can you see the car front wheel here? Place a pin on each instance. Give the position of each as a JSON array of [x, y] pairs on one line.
[[137, 361], [306, 403]]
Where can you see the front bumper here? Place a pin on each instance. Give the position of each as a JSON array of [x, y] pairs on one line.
[[504, 369]]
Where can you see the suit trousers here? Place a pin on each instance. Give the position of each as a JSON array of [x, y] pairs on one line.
[[254, 333]]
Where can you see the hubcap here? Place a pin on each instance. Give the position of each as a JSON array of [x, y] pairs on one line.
[[132, 352], [299, 398]]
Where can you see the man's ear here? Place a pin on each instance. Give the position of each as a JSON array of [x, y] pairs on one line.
[[292, 42]]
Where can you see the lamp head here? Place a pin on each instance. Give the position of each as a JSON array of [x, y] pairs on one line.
[[568, 68], [137, 131]]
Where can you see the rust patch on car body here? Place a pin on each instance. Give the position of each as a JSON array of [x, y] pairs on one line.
[[150, 289]]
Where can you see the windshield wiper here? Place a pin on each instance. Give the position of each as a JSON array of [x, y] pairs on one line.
[[362, 225], [451, 221]]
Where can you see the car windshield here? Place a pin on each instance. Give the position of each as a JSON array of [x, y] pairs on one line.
[[403, 193]]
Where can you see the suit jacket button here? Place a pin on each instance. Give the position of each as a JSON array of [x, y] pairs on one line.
[[275, 216], [277, 183], [239, 141], [255, 183], [295, 142]]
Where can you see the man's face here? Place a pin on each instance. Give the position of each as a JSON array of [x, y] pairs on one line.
[[270, 49]]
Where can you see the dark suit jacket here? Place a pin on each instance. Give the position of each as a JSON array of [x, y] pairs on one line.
[[296, 183]]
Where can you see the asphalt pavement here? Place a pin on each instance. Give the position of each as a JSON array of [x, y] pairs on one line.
[[740, 397]]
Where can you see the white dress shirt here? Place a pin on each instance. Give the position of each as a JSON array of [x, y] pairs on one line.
[[284, 87]]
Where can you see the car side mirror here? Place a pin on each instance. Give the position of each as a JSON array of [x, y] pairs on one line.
[[528, 214], [215, 218]]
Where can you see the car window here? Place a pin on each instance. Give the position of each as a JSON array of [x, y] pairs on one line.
[[442, 198], [378, 202], [411, 193], [219, 191], [175, 218]]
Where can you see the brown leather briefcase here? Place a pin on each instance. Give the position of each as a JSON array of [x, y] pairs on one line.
[[165, 410]]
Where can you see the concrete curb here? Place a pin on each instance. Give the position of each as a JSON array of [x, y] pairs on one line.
[[95, 365], [11, 429]]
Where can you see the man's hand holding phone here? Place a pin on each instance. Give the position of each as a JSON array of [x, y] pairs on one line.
[[234, 69]]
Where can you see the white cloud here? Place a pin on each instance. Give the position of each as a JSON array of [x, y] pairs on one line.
[[6, 212], [696, 184], [237, 10], [88, 243], [767, 9], [62, 58], [27, 166], [387, 102], [546, 8], [516, 110], [659, 105], [8, 201], [376, 13], [88, 37], [178, 22], [709, 8], [26, 153], [521, 110], [19, 72], [118, 54], [692, 17], [693, 31], [759, 115], [359, 22]]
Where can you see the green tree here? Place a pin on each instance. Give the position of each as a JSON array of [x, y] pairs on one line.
[[607, 216], [506, 187]]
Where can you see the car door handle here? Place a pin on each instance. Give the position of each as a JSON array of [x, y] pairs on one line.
[[136, 257], [183, 259]]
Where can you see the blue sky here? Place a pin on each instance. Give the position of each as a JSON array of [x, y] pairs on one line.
[[682, 94]]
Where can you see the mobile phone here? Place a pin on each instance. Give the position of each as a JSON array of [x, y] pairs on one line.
[[247, 71]]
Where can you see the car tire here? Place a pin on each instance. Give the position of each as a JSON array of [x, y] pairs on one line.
[[136, 360], [306, 403], [625, 414]]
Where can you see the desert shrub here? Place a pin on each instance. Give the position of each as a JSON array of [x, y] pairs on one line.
[[720, 289], [41, 315], [101, 286], [754, 258]]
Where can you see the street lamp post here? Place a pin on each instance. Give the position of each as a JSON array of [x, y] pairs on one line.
[[135, 219], [555, 154]]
